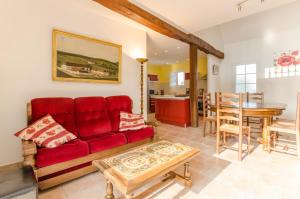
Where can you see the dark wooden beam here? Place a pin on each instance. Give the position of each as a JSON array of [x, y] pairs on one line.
[[132, 11], [193, 85]]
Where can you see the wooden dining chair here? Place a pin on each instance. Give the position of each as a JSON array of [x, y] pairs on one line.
[[230, 122], [284, 134], [208, 116], [255, 97], [255, 123]]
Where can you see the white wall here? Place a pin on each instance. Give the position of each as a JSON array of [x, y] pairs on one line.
[[213, 36], [255, 39], [25, 71], [213, 81]]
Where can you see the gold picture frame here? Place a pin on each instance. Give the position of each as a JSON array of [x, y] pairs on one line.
[[84, 59]]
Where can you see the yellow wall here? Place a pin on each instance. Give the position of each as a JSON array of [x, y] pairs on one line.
[[163, 71]]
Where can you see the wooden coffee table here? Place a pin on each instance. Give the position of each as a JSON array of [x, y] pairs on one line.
[[132, 169]]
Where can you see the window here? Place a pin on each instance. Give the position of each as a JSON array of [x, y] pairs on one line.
[[245, 78], [177, 79], [282, 71], [286, 64], [173, 79], [180, 79]]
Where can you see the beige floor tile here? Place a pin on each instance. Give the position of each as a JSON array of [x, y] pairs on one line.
[[259, 176]]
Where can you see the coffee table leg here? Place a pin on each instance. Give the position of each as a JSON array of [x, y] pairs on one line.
[[109, 190], [187, 175]]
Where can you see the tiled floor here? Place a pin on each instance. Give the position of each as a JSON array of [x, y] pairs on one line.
[[259, 176]]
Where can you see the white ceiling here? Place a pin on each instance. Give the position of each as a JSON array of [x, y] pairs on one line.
[[164, 50], [195, 15], [188, 15], [192, 16]]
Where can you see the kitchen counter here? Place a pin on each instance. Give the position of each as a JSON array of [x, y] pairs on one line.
[[170, 97], [173, 110]]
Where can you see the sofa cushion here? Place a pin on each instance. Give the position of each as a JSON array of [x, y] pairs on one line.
[[46, 132], [61, 109], [91, 117], [139, 135], [107, 142], [130, 121], [115, 104], [71, 150]]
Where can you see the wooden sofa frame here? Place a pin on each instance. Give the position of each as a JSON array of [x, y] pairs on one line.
[[30, 150]]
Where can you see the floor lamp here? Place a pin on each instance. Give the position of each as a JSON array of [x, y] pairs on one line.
[[142, 61]]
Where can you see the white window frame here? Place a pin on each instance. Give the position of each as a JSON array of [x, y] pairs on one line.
[[175, 79], [282, 71]]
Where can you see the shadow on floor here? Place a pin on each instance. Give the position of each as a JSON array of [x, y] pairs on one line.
[[205, 166]]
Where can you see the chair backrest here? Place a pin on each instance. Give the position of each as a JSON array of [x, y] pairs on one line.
[[60, 108], [91, 116], [206, 99], [229, 108], [298, 113], [116, 104], [255, 97]]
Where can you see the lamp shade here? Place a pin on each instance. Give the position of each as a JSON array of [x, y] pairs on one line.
[[142, 60]]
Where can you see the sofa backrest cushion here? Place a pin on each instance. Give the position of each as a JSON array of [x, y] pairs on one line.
[[60, 108], [115, 104], [91, 117]]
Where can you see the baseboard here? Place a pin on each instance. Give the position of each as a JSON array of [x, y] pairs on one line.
[[11, 166]]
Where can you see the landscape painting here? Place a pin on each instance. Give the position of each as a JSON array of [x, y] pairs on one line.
[[85, 59]]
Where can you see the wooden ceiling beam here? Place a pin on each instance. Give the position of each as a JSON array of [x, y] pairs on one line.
[[132, 11]]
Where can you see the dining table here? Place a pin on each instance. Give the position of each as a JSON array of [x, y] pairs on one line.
[[266, 111]]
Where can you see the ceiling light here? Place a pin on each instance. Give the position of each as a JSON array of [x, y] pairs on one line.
[[239, 8], [178, 47], [166, 51], [241, 4]]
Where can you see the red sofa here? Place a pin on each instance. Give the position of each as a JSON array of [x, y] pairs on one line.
[[95, 121]]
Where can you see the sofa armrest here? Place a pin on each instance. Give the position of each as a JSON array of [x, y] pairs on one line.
[[29, 151], [154, 124]]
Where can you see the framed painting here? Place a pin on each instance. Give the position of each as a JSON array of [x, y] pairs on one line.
[[84, 59], [215, 69]]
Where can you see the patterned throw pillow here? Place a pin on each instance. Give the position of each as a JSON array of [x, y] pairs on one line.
[[129, 121], [46, 132]]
